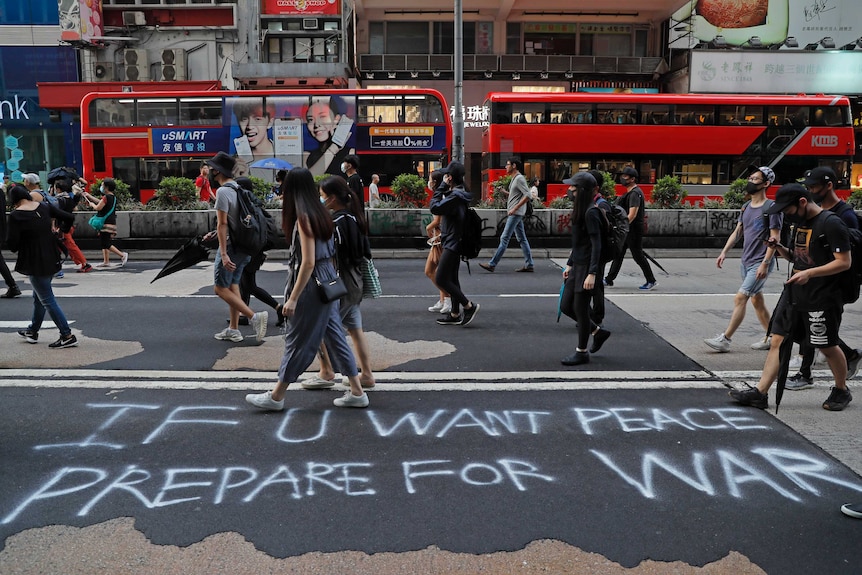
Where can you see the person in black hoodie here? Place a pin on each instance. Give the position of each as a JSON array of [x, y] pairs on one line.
[[452, 204], [14, 290], [31, 237]]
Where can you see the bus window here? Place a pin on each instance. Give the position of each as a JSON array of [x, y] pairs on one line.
[[111, 112], [571, 113], [614, 166], [694, 115], [201, 111], [527, 113], [157, 112], [424, 109], [693, 171], [616, 113], [655, 114], [740, 115], [828, 116], [387, 109]]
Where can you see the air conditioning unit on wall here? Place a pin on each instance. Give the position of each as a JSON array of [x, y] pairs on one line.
[[103, 72], [310, 23], [173, 65], [134, 18], [136, 66]]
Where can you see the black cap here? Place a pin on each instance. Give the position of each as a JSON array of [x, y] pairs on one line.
[[630, 171], [583, 180], [786, 196], [821, 175]]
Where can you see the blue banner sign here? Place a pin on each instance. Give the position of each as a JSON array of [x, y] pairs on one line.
[[181, 141]]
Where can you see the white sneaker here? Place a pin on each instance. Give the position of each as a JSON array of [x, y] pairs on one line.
[[258, 322], [350, 400], [318, 382], [228, 334], [125, 259], [437, 306], [718, 343], [447, 305], [265, 401], [762, 344]]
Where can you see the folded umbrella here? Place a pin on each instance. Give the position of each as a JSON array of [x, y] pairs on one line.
[[190, 253]]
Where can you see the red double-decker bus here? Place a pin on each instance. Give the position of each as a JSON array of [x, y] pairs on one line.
[[706, 140], [144, 137]]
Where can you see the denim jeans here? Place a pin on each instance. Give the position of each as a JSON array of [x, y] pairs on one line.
[[43, 298], [514, 224]]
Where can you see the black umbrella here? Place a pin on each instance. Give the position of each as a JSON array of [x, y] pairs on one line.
[[658, 265], [784, 354], [192, 252]]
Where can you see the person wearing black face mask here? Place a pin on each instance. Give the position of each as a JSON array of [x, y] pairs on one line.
[[821, 183], [809, 309], [757, 259], [633, 202]]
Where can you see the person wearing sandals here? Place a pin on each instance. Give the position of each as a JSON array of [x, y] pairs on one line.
[[107, 205], [308, 228], [31, 236], [351, 246]]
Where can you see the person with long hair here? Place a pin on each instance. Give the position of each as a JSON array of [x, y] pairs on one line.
[[444, 304], [308, 228], [583, 266], [31, 236], [351, 246], [452, 204]]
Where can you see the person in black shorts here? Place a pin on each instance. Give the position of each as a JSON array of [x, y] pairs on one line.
[[809, 309]]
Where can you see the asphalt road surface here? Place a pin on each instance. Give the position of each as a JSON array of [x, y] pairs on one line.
[[477, 440]]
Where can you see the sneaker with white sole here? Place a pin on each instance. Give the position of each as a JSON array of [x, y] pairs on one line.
[[228, 334], [65, 341], [447, 305], [29, 335], [648, 286], [798, 381], [350, 400], [318, 382], [719, 343], [852, 510], [124, 259], [762, 344], [853, 364], [437, 306], [258, 322], [265, 401], [469, 314]]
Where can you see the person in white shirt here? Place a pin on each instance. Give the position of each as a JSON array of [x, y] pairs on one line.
[[373, 192]]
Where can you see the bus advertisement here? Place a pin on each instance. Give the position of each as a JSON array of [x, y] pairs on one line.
[[705, 140], [144, 137]]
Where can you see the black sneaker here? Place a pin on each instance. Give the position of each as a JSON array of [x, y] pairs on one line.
[[853, 364], [599, 338], [450, 319], [838, 399], [577, 358], [13, 291], [751, 397], [469, 314], [29, 335], [68, 341]]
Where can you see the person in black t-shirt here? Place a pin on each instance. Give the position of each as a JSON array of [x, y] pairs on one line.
[[633, 202], [809, 309], [354, 180]]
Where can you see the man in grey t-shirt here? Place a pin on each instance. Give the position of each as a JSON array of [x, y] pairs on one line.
[[519, 195], [229, 262], [757, 260]]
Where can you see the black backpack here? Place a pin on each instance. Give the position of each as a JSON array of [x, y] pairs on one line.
[[471, 235], [851, 280], [616, 229], [257, 230]]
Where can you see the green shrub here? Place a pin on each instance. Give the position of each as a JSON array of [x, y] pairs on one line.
[[499, 193], [668, 193], [176, 193], [855, 199], [561, 203], [122, 193], [409, 190], [608, 187], [735, 196]]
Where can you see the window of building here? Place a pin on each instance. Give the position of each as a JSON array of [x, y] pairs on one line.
[[547, 39], [513, 38], [478, 38], [407, 37]]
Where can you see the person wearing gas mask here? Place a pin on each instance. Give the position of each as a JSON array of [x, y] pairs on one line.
[[810, 306], [821, 183], [757, 258]]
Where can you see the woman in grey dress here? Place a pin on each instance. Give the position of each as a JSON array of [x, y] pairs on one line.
[[308, 227]]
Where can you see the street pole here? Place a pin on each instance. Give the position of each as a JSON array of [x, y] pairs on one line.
[[458, 120]]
